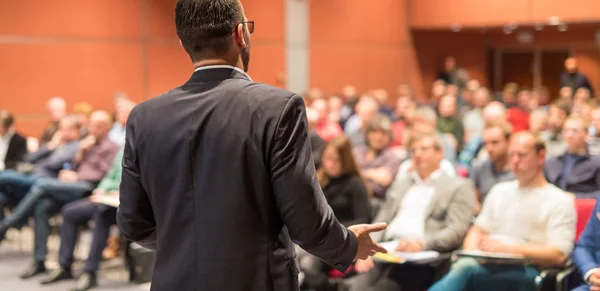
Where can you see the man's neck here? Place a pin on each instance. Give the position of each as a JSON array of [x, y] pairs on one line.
[[579, 151], [500, 164], [214, 62], [538, 181], [425, 174]]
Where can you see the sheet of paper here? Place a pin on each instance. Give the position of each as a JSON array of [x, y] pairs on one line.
[[110, 200], [390, 246], [482, 254]]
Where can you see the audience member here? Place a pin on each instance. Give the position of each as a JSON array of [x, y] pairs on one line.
[[366, 108], [57, 108], [585, 254], [377, 162], [78, 213], [82, 111], [527, 217], [335, 105], [13, 146], [582, 95], [45, 163], [495, 169], [448, 122], [538, 121], [593, 142], [453, 74], [518, 116], [382, 97], [403, 112], [576, 171], [572, 78], [47, 195], [473, 119], [316, 142], [117, 132], [555, 144], [424, 120], [509, 95], [426, 211], [540, 94], [350, 97], [493, 112], [346, 194]]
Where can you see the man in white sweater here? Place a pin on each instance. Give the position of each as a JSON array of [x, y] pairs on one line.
[[528, 217]]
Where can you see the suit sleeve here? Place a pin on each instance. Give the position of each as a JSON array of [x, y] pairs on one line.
[[298, 196], [135, 215], [459, 216], [584, 253]]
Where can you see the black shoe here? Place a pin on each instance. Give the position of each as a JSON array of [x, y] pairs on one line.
[[86, 281], [34, 269], [57, 275]]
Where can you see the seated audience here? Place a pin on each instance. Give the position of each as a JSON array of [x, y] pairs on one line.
[[496, 169], [538, 121], [585, 254], [555, 144], [576, 171], [404, 109], [13, 146], [350, 98], [473, 119], [426, 211], [573, 78], [346, 194], [527, 217], [45, 163], [424, 120], [518, 116], [82, 111], [448, 122], [378, 164], [57, 109], [493, 112], [509, 95], [316, 142], [47, 195], [582, 95], [593, 142], [366, 108], [117, 132], [78, 213]]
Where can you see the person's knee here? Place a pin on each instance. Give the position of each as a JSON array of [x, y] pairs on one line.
[[310, 264], [465, 266]]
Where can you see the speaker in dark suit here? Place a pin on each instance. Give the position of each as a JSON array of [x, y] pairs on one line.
[[13, 146], [218, 175]]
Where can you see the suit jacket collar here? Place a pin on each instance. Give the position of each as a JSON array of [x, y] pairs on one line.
[[217, 73]]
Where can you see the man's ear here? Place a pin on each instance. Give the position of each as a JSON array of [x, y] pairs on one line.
[[239, 35]]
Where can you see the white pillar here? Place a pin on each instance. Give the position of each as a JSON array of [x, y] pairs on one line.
[[296, 43]]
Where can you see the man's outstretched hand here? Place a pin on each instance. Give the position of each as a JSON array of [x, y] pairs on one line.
[[366, 246]]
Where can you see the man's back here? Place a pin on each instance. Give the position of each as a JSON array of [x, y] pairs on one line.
[[203, 155]]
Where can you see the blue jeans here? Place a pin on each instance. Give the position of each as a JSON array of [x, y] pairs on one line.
[[469, 274], [46, 197], [13, 187], [582, 288]]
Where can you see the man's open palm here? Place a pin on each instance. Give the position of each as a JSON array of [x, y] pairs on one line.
[[366, 245]]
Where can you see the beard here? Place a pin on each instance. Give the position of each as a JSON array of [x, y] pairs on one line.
[[245, 54]]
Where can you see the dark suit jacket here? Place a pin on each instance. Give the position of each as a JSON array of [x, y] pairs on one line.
[[218, 178], [586, 254], [447, 217], [584, 178], [17, 151], [575, 81]]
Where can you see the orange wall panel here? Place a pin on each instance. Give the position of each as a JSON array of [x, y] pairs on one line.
[[72, 18], [267, 63], [588, 60], [168, 67], [161, 19], [573, 10], [268, 16]]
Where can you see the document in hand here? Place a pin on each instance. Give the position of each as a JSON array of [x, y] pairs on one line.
[[110, 200], [491, 257], [401, 257]]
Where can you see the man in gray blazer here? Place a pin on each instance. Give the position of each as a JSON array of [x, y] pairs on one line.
[[427, 210], [218, 175]]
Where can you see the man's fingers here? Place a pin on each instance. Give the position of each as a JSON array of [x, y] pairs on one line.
[[378, 248], [375, 227]]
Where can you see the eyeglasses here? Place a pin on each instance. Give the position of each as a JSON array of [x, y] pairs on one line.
[[250, 25]]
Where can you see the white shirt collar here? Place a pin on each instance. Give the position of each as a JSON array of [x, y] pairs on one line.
[[432, 177], [223, 67], [8, 135]]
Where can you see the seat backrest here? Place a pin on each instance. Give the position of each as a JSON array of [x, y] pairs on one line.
[[584, 207]]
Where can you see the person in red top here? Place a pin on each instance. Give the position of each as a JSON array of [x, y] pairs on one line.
[[325, 127], [518, 116]]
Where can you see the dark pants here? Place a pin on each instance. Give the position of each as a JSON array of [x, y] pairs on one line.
[[78, 213], [46, 197], [13, 187], [316, 271], [395, 277]]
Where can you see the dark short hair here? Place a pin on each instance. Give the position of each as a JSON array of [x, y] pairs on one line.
[[6, 119], [207, 25], [502, 125]]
